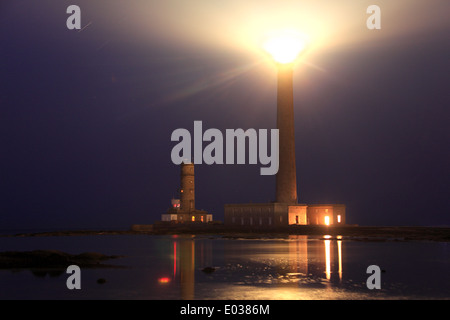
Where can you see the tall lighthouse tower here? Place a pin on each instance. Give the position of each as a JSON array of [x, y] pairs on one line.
[[286, 181], [285, 210]]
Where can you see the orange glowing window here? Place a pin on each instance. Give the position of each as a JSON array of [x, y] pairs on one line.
[[201, 218], [193, 218], [327, 220]]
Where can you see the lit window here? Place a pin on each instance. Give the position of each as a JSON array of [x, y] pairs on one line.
[[193, 218], [327, 220], [201, 218], [339, 218]]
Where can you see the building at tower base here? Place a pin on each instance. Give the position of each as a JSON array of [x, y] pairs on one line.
[[276, 214]]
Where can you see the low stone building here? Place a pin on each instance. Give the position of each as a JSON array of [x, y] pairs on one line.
[[325, 214], [276, 214]]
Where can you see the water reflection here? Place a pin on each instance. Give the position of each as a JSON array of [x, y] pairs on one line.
[[295, 261], [298, 267], [327, 259], [187, 268], [329, 251], [339, 245]]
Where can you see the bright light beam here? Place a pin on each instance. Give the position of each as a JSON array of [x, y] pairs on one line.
[[285, 47]]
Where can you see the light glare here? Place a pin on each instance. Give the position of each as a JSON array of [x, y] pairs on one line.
[[284, 48]]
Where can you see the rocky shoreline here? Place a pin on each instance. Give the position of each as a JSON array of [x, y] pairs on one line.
[[357, 233], [53, 262]]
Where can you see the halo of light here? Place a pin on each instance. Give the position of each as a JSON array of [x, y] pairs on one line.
[[284, 47]]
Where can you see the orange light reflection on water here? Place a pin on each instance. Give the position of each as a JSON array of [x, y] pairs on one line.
[[164, 280], [327, 259], [304, 259]]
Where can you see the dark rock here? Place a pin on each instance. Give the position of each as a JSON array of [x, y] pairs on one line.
[[51, 259], [208, 270]]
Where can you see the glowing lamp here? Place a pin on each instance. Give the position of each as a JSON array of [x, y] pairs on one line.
[[284, 48]]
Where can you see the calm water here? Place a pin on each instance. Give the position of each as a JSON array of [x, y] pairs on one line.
[[171, 267]]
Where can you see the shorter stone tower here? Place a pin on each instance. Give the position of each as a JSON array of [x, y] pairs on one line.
[[187, 191], [183, 209]]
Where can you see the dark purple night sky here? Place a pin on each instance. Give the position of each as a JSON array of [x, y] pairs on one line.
[[86, 116]]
